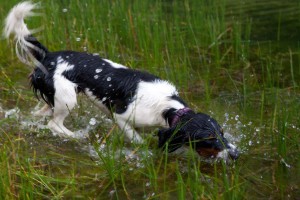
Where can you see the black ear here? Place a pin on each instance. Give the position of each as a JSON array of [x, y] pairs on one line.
[[172, 138]]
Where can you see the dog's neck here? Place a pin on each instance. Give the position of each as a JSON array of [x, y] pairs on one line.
[[173, 116]]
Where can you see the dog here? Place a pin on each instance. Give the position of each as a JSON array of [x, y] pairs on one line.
[[131, 97]]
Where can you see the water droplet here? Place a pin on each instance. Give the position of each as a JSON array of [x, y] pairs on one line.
[[236, 117], [112, 192], [78, 39], [108, 79], [98, 70], [96, 76], [65, 10], [93, 121]]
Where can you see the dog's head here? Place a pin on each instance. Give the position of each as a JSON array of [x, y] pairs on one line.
[[202, 132]]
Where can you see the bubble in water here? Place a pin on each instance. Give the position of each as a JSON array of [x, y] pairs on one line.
[[98, 70], [111, 193], [236, 117], [108, 79], [102, 146], [93, 121], [96, 76], [227, 116]]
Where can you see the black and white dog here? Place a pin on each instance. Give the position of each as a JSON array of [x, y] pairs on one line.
[[133, 98]]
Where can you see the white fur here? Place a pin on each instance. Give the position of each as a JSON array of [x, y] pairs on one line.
[[64, 99], [14, 24], [115, 65]]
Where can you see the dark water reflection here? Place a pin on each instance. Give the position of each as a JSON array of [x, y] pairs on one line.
[[272, 20]]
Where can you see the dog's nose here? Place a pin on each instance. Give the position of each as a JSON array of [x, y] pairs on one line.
[[234, 154]]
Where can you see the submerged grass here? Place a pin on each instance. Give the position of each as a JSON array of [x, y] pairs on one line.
[[220, 66]]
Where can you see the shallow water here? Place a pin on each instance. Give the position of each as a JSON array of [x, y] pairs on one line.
[[261, 118]]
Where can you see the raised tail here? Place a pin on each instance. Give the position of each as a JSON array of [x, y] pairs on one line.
[[28, 49]]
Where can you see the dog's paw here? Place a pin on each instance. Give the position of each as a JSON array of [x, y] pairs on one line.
[[59, 129]]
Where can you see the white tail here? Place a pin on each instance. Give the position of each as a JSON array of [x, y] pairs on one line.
[[14, 24]]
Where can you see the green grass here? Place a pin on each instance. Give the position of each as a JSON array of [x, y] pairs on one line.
[[224, 61]]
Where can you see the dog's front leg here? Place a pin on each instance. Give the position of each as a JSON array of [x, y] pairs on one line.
[[129, 131], [46, 110]]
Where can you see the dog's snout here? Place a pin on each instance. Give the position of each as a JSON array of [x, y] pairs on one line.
[[234, 154]]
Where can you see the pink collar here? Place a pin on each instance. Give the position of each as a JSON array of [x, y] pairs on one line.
[[178, 114]]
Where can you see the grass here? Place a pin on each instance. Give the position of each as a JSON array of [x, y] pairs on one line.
[[222, 64]]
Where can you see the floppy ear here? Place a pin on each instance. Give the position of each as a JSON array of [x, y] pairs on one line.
[[171, 138]]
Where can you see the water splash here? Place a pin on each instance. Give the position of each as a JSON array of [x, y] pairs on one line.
[[93, 121], [12, 113]]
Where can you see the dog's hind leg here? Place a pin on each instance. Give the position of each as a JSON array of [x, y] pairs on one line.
[[64, 101]]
